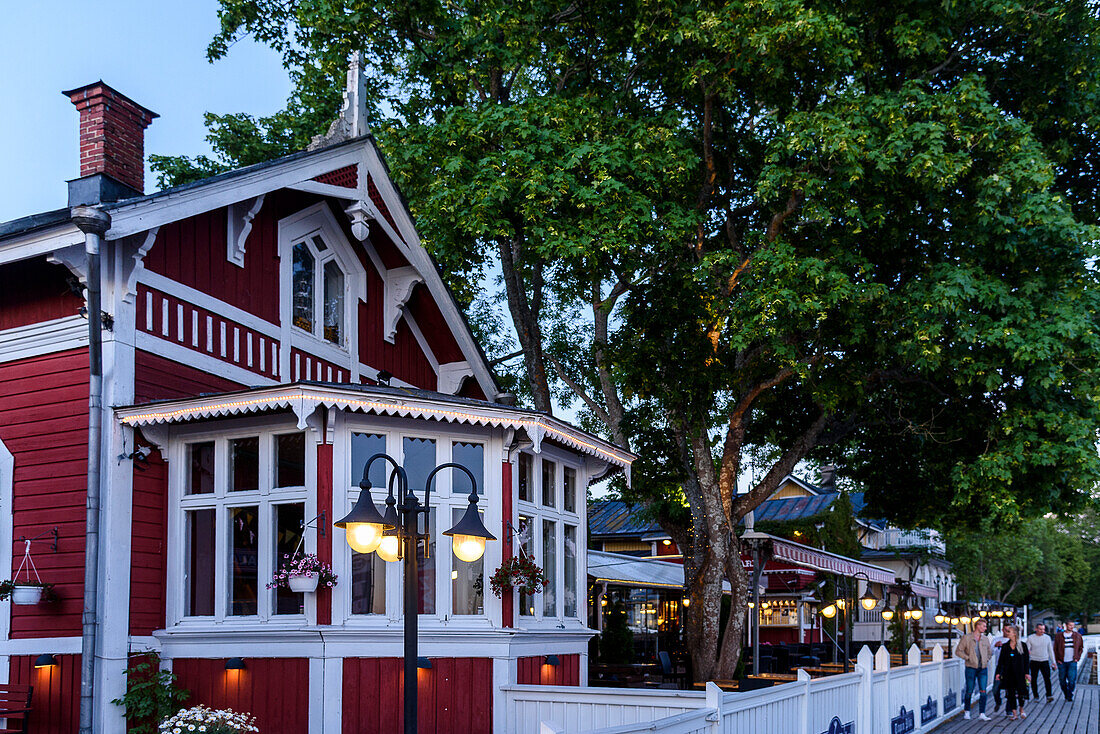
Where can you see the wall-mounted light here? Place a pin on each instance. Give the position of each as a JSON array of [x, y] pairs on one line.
[[45, 660], [234, 664], [424, 663], [552, 660]]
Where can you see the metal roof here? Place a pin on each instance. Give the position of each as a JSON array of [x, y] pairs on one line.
[[617, 568], [33, 222], [800, 508], [615, 517]]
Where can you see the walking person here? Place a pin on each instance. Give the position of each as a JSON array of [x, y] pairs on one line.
[[1068, 647], [974, 649], [1040, 648], [995, 643], [1012, 672]]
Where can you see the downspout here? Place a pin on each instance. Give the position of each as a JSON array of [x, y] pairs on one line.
[[93, 223]]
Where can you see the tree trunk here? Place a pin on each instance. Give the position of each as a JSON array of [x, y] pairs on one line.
[[525, 310]]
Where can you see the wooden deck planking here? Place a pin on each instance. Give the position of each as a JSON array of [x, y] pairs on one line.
[[1057, 717]]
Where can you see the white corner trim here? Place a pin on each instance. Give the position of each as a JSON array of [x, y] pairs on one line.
[[238, 225], [400, 283], [33, 340], [451, 376]]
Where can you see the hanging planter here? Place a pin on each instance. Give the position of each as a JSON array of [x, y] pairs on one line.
[[303, 574], [27, 591], [521, 574]]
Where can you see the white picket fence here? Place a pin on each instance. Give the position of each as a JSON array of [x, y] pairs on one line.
[[875, 699]]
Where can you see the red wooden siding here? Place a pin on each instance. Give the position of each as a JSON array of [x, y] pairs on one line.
[[324, 508], [432, 324], [455, 696], [33, 291], [470, 389], [305, 366], [44, 423], [347, 176], [193, 252], [156, 377], [274, 690], [403, 359], [56, 697], [148, 555], [535, 672], [206, 332]]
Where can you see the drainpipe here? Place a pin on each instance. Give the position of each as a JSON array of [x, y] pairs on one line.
[[93, 223]]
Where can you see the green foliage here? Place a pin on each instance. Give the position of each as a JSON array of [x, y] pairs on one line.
[[152, 694]]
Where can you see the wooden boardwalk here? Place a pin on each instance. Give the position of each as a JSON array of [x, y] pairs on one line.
[[1057, 717]]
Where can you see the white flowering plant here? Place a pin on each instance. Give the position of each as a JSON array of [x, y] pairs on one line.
[[203, 720], [304, 565]]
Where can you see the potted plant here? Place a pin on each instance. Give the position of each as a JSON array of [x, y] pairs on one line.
[[303, 574], [26, 593], [520, 573], [209, 721]]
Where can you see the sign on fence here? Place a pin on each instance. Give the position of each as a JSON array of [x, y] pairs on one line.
[[836, 727], [929, 711], [902, 723], [951, 700]]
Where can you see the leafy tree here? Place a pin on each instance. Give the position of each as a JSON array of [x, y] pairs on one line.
[[1017, 566], [846, 232]]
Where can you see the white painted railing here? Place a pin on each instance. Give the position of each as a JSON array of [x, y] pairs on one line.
[[875, 699]]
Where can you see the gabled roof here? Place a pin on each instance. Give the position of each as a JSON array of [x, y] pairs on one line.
[[800, 508]]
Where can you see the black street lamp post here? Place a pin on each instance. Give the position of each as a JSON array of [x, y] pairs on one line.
[[366, 529], [844, 585]]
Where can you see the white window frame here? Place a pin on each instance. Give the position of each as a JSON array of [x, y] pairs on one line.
[[539, 512], [221, 500], [443, 501], [319, 220]]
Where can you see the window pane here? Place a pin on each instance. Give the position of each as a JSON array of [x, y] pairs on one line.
[[526, 547], [368, 584], [290, 460], [426, 567], [201, 479], [467, 579], [200, 563], [244, 464], [550, 568], [570, 594], [302, 286], [364, 446], [244, 559], [548, 487], [419, 462], [319, 243], [471, 456], [334, 303], [525, 477], [569, 489], [288, 534]]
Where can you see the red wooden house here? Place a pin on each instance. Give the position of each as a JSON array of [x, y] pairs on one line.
[[263, 332]]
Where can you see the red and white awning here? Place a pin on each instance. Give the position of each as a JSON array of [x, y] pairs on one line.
[[928, 592], [803, 555]]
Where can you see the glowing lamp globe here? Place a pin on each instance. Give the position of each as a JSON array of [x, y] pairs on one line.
[[888, 613], [916, 612], [828, 612], [364, 525], [868, 602], [389, 549], [1009, 612], [939, 618], [954, 620], [468, 548]]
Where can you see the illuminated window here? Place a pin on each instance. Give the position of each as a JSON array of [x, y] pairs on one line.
[[314, 271]]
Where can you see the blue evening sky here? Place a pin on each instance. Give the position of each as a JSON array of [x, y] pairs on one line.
[[150, 50]]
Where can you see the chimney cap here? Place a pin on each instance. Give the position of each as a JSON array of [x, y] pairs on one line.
[[88, 87]]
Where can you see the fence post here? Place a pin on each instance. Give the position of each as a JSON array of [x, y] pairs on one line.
[[804, 678], [882, 659], [865, 664], [714, 701], [913, 660], [937, 657]]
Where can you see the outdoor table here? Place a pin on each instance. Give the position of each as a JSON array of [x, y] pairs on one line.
[[725, 685], [776, 676]]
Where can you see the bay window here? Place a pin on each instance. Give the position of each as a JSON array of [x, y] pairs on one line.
[[317, 295]]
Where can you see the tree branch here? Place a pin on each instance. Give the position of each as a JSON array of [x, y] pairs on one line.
[[784, 466]]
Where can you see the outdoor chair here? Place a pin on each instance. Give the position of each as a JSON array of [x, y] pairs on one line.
[[15, 706], [669, 672]]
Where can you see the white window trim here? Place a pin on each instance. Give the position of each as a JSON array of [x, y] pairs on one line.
[[221, 501], [443, 501], [539, 512], [7, 485], [319, 219]]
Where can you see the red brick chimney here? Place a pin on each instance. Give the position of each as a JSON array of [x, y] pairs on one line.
[[112, 134]]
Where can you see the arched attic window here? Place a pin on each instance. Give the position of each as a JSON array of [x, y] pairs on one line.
[[318, 290]]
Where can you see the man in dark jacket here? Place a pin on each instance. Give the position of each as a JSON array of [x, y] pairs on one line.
[[1068, 648]]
